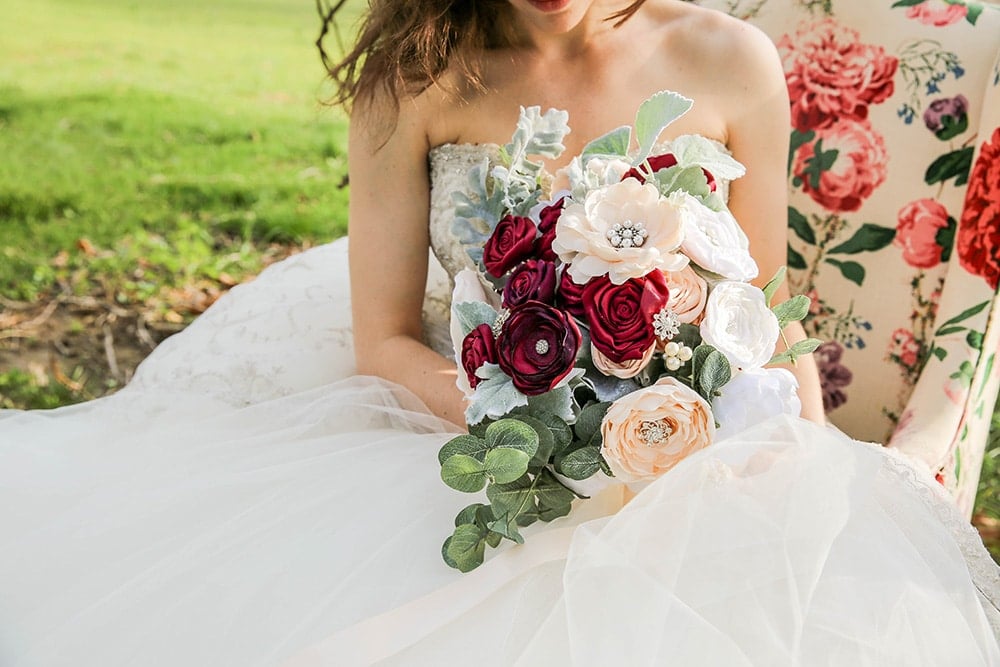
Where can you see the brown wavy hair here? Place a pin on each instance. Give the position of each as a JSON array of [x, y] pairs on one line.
[[404, 46]]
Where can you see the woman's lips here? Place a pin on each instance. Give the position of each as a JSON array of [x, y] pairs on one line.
[[549, 5]]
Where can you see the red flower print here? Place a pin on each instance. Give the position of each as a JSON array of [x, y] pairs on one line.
[[904, 348], [937, 12], [979, 231], [917, 233], [858, 168], [831, 75]]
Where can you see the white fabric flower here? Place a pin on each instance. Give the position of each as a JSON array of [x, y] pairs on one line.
[[739, 324], [714, 240], [585, 234], [468, 289], [754, 396]]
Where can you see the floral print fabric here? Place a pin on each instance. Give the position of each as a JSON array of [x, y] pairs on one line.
[[894, 216]]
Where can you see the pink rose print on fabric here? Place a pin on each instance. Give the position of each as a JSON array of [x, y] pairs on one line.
[[919, 233], [833, 375], [937, 13], [841, 181], [979, 230], [832, 76], [904, 348]]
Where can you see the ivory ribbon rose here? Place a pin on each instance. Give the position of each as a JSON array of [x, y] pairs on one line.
[[582, 233], [739, 324], [714, 240], [648, 432]]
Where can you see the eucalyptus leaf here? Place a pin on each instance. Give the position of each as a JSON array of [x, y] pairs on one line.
[[466, 547], [513, 498], [553, 512], [614, 143], [551, 492], [773, 284], [714, 374], [463, 473], [512, 434], [546, 441], [468, 514], [493, 539], [469, 445], [580, 463], [653, 116], [471, 314], [528, 518], [449, 561], [589, 421], [793, 310], [507, 528], [505, 465], [799, 349]]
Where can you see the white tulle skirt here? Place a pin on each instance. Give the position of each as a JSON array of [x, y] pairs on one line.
[[247, 501]]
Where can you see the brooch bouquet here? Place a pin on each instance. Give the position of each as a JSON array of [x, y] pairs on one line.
[[611, 329]]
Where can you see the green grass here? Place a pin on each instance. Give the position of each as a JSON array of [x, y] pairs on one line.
[[120, 119]]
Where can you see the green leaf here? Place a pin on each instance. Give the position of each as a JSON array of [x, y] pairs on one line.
[[546, 441], [692, 150], [551, 492], [526, 519], [615, 142], [698, 358], [580, 463], [468, 514], [714, 373], [955, 164], [773, 284], [550, 513], [964, 315], [947, 331], [558, 402], [952, 127], [974, 340], [945, 238], [797, 141], [653, 116], [940, 353], [512, 433], [494, 397], [463, 473], [851, 270], [505, 465], [507, 528], [589, 421], [795, 260], [469, 445], [800, 225], [470, 314], [867, 239], [907, 3], [819, 162], [687, 179], [972, 15], [493, 539], [799, 349], [513, 498], [793, 310], [465, 549]]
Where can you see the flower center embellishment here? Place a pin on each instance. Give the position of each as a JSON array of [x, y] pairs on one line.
[[542, 346], [666, 324], [627, 234], [502, 318], [655, 433]]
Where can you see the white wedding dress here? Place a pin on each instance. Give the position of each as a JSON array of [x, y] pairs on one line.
[[247, 501]]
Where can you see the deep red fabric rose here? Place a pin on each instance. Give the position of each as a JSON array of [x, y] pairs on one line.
[[859, 168], [832, 76], [665, 161], [620, 317], [917, 232], [478, 348], [979, 231], [512, 240], [533, 280], [537, 347], [570, 295], [547, 219]]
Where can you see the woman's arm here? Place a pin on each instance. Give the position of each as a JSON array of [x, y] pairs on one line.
[[389, 239], [758, 136]]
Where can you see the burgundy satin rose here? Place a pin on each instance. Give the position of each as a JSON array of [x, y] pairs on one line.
[[979, 230], [537, 347], [533, 280], [570, 296], [665, 161], [547, 219], [478, 348], [512, 240], [620, 317]]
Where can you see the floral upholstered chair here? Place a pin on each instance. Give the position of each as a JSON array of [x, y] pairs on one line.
[[894, 222]]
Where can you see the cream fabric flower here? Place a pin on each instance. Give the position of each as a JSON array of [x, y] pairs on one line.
[[739, 324], [715, 241], [688, 295], [583, 240], [625, 370], [649, 431]]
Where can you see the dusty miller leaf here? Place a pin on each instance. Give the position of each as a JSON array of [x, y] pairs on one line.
[[653, 116], [494, 397]]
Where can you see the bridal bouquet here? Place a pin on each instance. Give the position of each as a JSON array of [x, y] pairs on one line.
[[611, 329]]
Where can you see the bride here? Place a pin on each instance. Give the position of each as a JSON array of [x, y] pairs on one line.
[[252, 499]]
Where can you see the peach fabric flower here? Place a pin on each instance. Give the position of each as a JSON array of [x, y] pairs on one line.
[[688, 292], [937, 12], [649, 431], [916, 232], [624, 230], [624, 370]]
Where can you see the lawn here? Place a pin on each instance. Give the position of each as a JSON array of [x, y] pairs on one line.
[[155, 154]]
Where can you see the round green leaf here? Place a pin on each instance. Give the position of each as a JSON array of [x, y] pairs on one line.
[[463, 473], [546, 440], [580, 463], [468, 515], [506, 465], [513, 498], [469, 445], [512, 434], [589, 421], [466, 547]]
